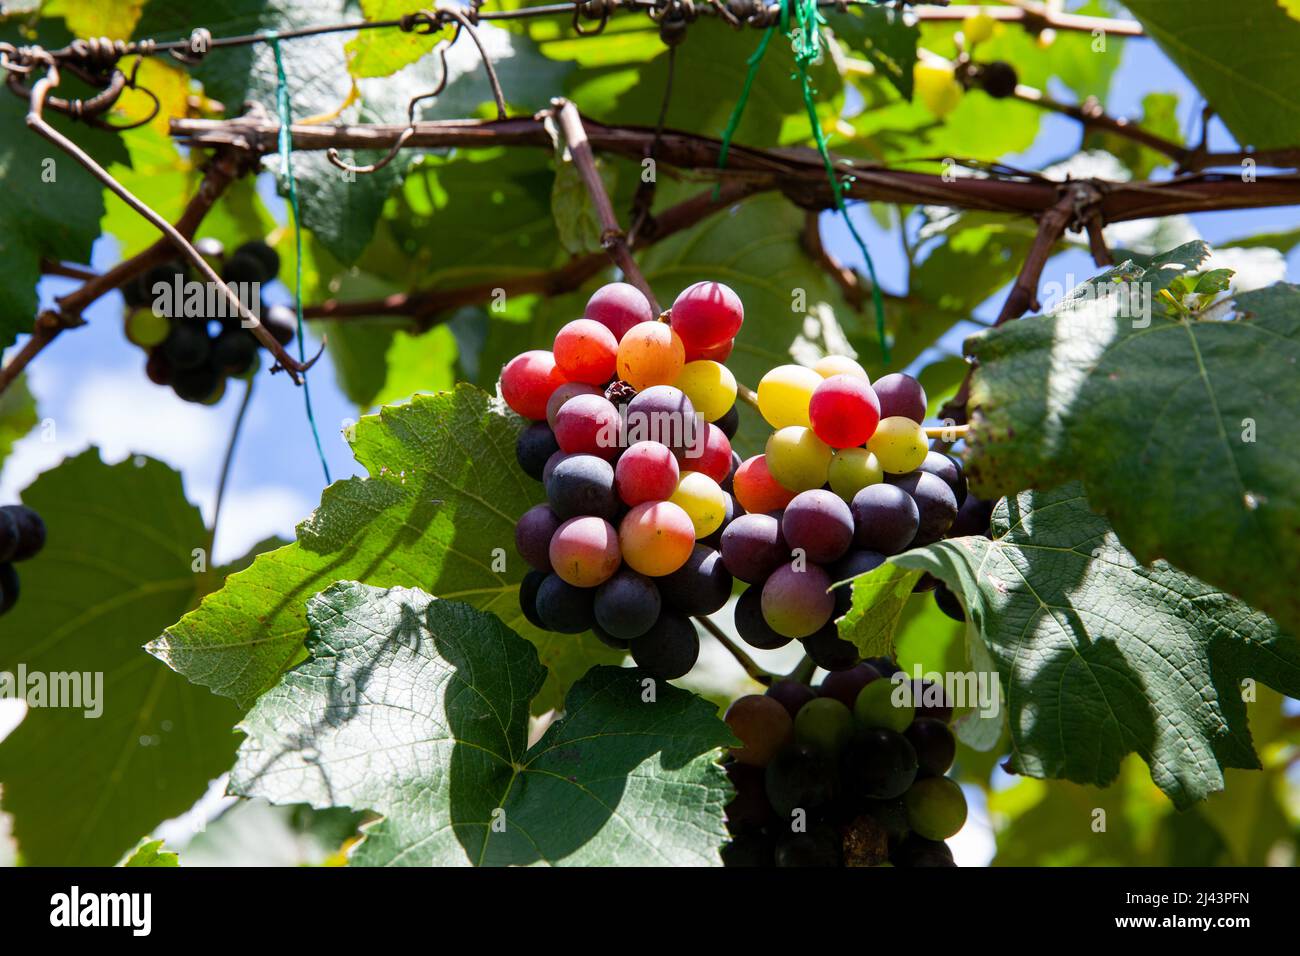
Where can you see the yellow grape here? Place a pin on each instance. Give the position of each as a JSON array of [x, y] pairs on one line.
[[899, 444], [978, 28], [851, 470], [710, 386], [704, 502], [840, 365], [937, 87], [784, 393], [797, 458]]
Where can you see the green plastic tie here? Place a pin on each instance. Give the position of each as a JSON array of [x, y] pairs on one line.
[[290, 184]]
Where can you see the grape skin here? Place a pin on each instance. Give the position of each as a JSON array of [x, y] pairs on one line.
[[533, 533], [585, 351], [710, 455], [844, 411], [851, 470], [701, 498], [564, 608], [650, 354], [899, 444], [527, 382], [657, 537], [752, 626], [701, 586], [627, 605], [936, 505], [647, 471], [584, 551], [796, 601], [707, 314], [784, 394], [619, 306], [885, 519], [710, 386], [562, 394], [589, 424], [663, 413], [901, 395], [534, 448], [797, 458], [819, 523], [582, 485], [752, 547]]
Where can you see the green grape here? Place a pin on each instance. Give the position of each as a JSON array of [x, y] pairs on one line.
[[937, 87], [146, 328], [798, 459], [876, 707], [851, 470], [710, 386], [702, 500], [823, 724], [899, 444], [936, 807], [784, 394]]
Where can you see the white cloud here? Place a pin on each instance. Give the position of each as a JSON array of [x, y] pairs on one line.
[[247, 517]]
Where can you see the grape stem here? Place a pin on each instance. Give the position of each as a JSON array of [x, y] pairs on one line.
[[755, 672], [747, 395]]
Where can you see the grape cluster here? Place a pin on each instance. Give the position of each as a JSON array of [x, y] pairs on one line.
[[633, 421], [22, 535], [850, 773], [195, 354]]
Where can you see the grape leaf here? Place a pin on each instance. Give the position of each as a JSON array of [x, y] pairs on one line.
[[116, 569], [437, 511], [150, 853], [1178, 427], [1098, 655], [418, 709], [884, 37], [17, 415], [1239, 55]]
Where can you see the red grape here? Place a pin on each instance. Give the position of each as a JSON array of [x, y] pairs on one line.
[[618, 306], [533, 536], [585, 351], [710, 455], [528, 380], [707, 314], [763, 726], [844, 411], [756, 489], [647, 471], [796, 600], [716, 353], [589, 424], [584, 551], [565, 392]]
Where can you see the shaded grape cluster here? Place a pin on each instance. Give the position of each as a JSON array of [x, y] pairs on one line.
[[848, 773], [632, 425], [22, 536], [195, 354]]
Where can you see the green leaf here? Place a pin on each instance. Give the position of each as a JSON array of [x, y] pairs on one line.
[[17, 415], [1239, 55], [1098, 655], [1178, 426], [437, 511], [884, 37], [418, 709], [382, 52], [115, 570], [150, 853], [575, 217]]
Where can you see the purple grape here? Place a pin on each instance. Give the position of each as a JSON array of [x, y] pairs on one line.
[[850, 566], [534, 448], [935, 503], [828, 650], [885, 518], [819, 522], [627, 605], [973, 517], [563, 608], [664, 414], [700, 586], [669, 649], [729, 423], [947, 467], [752, 626], [791, 693], [844, 685], [582, 485], [901, 394], [528, 589], [533, 536], [753, 547]]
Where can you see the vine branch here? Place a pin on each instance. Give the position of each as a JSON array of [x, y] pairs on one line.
[[751, 668]]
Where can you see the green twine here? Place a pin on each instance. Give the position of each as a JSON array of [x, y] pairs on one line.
[[288, 181], [805, 38]]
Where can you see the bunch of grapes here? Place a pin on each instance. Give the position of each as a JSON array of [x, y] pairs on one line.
[[22, 535], [850, 773], [194, 355], [633, 421]]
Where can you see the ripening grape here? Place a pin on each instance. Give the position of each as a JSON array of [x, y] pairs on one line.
[[878, 764], [886, 704], [582, 485], [825, 725], [936, 807], [528, 589], [710, 386], [900, 394], [533, 534], [885, 518], [828, 650], [899, 444], [146, 328], [752, 547], [534, 449], [950, 470], [934, 744], [707, 314], [800, 778], [701, 498], [711, 454], [796, 600], [792, 694], [619, 306], [669, 649], [845, 685], [562, 394], [527, 382], [663, 413], [763, 727], [829, 365], [755, 488], [589, 424], [650, 354], [627, 605], [784, 393], [585, 351], [752, 626], [851, 470], [584, 551], [935, 504], [797, 458], [657, 537], [820, 523], [647, 471], [937, 87], [563, 607], [700, 586], [844, 411]]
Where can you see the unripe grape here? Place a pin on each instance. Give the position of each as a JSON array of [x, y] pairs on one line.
[[650, 354], [797, 458], [879, 706], [796, 600], [701, 498], [589, 424], [784, 393], [146, 328], [851, 470], [937, 87], [707, 314], [936, 807], [619, 306], [978, 28], [829, 365], [845, 686], [900, 394], [710, 386], [656, 537], [584, 551], [585, 351], [825, 725], [755, 488], [527, 382], [899, 444], [647, 471], [844, 411], [752, 626]]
